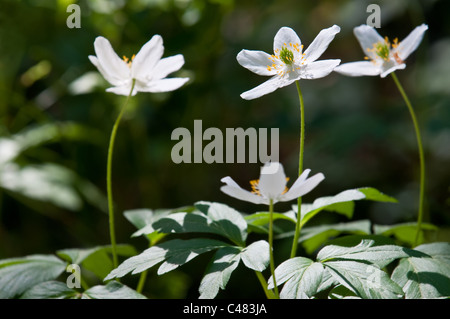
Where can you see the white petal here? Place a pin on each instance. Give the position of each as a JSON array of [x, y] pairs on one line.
[[256, 61], [302, 187], [164, 85], [360, 68], [147, 57], [390, 67], [411, 42], [285, 36], [321, 43], [272, 181], [319, 69], [367, 37], [109, 60], [267, 87], [122, 90], [108, 77], [167, 65], [234, 190]]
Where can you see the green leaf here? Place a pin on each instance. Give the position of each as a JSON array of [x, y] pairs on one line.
[[258, 222], [96, 259], [427, 274], [50, 290], [301, 276], [313, 237], [225, 261], [375, 195], [256, 256], [367, 281], [405, 232], [341, 203], [173, 254], [219, 271], [226, 220], [358, 268], [143, 220], [112, 290], [341, 292], [19, 274], [364, 252]]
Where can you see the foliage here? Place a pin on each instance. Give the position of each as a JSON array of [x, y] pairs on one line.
[[55, 119]]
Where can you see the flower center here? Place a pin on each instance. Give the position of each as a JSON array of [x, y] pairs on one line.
[[286, 57], [129, 61], [383, 49], [255, 187]]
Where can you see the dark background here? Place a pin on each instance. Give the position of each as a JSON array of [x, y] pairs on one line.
[[358, 130]]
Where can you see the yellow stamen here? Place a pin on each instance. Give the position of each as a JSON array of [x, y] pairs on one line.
[[254, 183], [129, 61]]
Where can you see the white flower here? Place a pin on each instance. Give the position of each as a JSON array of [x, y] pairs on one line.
[[272, 186], [146, 68], [385, 57], [288, 63]]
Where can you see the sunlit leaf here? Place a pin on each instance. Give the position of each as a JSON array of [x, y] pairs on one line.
[[427, 273], [173, 254], [112, 290], [51, 290], [19, 274], [225, 261]]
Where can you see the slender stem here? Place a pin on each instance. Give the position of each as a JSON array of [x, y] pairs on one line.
[[421, 155], [141, 282], [272, 264], [269, 294], [300, 169], [108, 179]]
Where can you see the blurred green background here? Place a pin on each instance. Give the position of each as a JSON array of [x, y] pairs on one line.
[[56, 118]]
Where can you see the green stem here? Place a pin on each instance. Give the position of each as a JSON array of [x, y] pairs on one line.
[[141, 282], [300, 169], [108, 179], [421, 155], [269, 294], [272, 264]]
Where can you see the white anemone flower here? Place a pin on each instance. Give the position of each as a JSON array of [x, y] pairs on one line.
[[271, 186], [145, 70], [288, 63], [384, 57]]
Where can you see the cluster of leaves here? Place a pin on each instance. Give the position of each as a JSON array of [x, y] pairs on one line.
[[364, 263]]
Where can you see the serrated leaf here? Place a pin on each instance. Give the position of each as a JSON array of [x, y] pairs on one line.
[[112, 290], [226, 220], [367, 281], [19, 274], [256, 256], [219, 271], [427, 274], [364, 252], [50, 290], [225, 261], [302, 278], [173, 254]]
